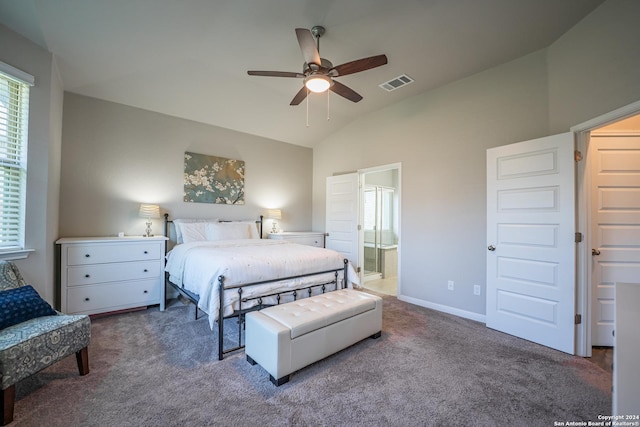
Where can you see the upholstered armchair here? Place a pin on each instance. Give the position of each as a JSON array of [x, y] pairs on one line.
[[33, 335]]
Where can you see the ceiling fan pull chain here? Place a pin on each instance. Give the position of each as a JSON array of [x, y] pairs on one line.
[[328, 109], [307, 107]]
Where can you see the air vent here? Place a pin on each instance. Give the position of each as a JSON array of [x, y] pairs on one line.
[[396, 83]]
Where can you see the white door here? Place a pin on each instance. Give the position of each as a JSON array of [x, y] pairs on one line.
[[342, 216], [615, 226], [531, 240]]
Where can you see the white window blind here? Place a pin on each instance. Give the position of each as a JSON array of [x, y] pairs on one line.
[[14, 123]]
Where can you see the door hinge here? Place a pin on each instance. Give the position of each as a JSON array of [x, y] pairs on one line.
[[578, 155], [359, 227], [358, 270], [578, 238], [578, 319]]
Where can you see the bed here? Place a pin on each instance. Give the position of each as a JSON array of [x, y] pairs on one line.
[[226, 269]]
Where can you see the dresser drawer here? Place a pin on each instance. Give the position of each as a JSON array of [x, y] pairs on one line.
[[112, 296], [102, 273], [116, 252]]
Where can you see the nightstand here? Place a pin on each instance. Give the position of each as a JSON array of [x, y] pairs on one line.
[[103, 274], [309, 238]]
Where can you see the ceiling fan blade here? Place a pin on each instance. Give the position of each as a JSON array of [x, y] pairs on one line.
[[345, 91], [300, 96], [275, 73], [308, 46], [359, 65]]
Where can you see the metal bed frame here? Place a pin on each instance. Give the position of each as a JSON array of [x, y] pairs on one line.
[[241, 312]]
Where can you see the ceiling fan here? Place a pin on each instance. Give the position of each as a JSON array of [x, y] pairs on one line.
[[319, 73]]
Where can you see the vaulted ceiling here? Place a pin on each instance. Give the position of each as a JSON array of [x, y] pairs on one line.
[[189, 58]]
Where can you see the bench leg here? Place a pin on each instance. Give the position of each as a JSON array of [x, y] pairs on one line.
[[8, 400], [278, 382], [250, 360], [82, 357], [376, 335]]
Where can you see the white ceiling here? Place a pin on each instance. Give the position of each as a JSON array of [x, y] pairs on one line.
[[189, 58]]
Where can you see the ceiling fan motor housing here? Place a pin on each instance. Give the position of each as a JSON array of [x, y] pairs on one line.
[[323, 68]]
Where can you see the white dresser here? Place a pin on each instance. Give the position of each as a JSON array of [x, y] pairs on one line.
[[103, 274], [310, 238]]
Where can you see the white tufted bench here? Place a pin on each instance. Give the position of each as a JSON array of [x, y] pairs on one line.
[[287, 337]]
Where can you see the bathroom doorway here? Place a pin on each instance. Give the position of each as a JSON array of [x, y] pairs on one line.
[[379, 237]]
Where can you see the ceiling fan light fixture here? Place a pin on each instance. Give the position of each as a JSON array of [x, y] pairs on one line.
[[318, 83]]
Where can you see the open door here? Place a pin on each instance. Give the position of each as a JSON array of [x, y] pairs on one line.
[[342, 216], [531, 240]]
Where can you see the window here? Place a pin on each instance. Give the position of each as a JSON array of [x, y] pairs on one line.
[[14, 123]]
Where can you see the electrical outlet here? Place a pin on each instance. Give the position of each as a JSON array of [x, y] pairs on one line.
[[450, 285], [476, 289]]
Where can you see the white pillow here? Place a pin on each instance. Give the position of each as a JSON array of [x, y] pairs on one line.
[[180, 224], [231, 230]]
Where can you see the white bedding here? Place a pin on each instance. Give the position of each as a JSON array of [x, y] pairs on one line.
[[197, 266]]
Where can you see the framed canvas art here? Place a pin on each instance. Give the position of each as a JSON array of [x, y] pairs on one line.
[[210, 179]]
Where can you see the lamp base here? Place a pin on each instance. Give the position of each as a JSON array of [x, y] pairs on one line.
[[147, 231]]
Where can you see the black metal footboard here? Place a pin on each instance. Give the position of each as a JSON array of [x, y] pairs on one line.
[[240, 312]]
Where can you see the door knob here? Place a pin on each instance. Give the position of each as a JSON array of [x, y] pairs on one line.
[[491, 248], [595, 252]]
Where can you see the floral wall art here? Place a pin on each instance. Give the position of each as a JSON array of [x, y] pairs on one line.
[[210, 179]]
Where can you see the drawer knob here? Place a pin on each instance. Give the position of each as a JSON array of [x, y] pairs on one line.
[[87, 275], [145, 270], [87, 255], [146, 252], [146, 292], [86, 299]]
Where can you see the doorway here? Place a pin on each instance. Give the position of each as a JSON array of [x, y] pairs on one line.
[[594, 283], [379, 231], [614, 156]]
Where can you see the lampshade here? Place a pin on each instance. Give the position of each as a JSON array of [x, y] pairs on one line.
[[274, 214], [149, 211], [318, 83]]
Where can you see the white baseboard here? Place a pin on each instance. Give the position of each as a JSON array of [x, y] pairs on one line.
[[445, 309]]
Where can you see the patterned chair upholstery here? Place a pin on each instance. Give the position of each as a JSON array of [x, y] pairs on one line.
[[31, 346]]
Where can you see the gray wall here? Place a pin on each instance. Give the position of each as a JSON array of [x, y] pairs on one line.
[[595, 67], [114, 157], [43, 162], [441, 138]]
